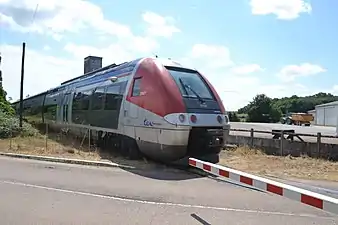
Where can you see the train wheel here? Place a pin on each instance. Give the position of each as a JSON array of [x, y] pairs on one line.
[[131, 149]]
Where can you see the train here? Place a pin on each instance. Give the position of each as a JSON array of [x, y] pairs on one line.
[[149, 107]]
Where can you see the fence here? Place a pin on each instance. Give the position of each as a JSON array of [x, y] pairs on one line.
[[275, 142]]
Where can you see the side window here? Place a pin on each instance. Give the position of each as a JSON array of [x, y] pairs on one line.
[[97, 100], [136, 87], [77, 101], [123, 87], [112, 97], [85, 100], [81, 100]]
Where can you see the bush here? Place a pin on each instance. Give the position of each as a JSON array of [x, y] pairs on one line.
[[10, 127], [7, 108]]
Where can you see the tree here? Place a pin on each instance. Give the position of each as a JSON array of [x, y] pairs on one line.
[[297, 103], [233, 117], [5, 106], [262, 110]]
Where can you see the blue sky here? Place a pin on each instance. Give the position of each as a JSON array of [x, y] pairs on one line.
[[244, 47]]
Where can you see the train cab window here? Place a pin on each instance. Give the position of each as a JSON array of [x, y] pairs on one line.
[[190, 83], [112, 97], [137, 87], [97, 99]]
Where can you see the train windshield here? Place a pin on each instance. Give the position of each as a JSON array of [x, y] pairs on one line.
[[190, 83]]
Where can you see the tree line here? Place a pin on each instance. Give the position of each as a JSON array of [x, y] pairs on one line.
[[270, 110], [5, 106]]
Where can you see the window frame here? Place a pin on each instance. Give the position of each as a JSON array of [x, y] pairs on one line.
[[115, 96], [103, 89], [139, 80]]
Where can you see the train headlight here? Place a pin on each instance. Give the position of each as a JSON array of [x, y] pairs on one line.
[[220, 119], [226, 119], [193, 118], [181, 117]]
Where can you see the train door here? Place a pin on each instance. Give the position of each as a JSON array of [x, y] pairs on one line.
[[65, 108], [131, 112]]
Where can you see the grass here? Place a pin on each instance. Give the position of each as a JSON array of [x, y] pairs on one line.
[[28, 140], [64, 146], [256, 162], [39, 145]]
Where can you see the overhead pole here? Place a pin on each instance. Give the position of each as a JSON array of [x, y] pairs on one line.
[[21, 83]]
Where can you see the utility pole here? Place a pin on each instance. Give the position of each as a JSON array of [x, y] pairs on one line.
[[21, 84]]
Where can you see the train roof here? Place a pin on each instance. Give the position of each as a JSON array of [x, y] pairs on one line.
[[104, 70], [92, 74]]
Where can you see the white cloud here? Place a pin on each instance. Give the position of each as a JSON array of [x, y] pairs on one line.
[[59, 17], [291, 72], [114, 53], [42, 71], [247, 69], [283, 9], [236, 91], [211, 56], [159, 25], [46, 47], [53, 16]]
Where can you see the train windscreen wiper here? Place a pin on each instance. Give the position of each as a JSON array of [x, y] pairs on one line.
[[192, 90]]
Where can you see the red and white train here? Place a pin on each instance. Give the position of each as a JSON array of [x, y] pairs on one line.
[[151, 106]]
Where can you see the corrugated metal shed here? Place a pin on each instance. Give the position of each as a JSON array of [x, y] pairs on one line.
[[327, 114], [327, 104], [313, 113]]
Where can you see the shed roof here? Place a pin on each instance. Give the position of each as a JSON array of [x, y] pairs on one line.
[[328, 104]]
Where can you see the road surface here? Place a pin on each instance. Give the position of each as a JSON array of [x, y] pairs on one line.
[[330, 131], [35, 192]]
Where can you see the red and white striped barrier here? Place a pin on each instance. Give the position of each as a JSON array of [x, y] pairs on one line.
[[316, 200]]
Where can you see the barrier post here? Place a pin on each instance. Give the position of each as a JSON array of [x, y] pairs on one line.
[[319, 137], [252, 138], [282, 143]]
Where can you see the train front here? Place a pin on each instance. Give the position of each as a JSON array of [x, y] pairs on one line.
[[205, 114]]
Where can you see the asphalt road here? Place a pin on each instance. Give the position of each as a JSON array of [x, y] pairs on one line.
[[35, 192], [330, 131]]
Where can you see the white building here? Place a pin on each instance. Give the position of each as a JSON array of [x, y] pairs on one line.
[[326, 114], [313, 113]]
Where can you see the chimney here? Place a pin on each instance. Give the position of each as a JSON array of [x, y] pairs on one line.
[[92, 63]]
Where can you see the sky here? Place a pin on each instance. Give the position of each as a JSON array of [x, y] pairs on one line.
[[244, 47]]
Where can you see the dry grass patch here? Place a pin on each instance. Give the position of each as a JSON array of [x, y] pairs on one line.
[[64, 146], [256, 162], [39, 145]]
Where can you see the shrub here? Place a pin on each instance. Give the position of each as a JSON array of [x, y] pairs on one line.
[[7, 108], [10, 126]]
